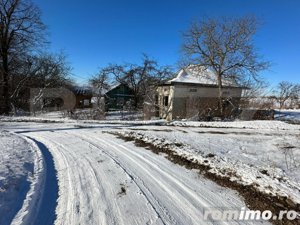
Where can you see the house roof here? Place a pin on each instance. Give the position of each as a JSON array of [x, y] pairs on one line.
[[116, 85], [106, 91], [82, 90], [199, 75]]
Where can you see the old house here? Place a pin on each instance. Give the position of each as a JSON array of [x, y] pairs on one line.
[[193, 93], [83, 97], [117, 97]]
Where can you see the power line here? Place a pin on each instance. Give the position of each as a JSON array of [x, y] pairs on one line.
[[82, 78]]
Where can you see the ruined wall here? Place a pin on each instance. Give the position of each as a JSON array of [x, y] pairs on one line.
[[165, 108], [193, 101], [196, 102]]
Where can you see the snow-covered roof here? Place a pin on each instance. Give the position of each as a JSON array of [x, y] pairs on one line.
[[82, 90], [104, 91], [199, 75], [117, 84]]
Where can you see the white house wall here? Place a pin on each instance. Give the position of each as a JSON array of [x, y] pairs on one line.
[[178, 95], [184, 91]]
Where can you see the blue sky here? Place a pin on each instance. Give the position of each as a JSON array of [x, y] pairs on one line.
[[94, 33]]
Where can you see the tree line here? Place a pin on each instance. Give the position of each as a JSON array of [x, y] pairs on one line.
[[23, 62], [223, 45]]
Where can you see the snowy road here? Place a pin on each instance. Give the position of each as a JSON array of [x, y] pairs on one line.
[[104, 180]]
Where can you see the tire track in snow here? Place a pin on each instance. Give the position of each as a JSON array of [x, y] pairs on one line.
[[144, 190], [162, 183], [86, 185], [153, 201], [65, 183], [111, 205], [45, 214], [83, 164]]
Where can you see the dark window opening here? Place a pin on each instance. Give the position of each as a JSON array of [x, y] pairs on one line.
[[166, 100], [156, 99]]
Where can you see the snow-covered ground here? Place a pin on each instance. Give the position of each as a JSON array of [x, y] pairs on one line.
[[256, 124], [104, 180], [59, 117], [268, 157], [21, 178]]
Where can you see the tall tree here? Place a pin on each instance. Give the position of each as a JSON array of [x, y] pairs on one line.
[[21, 29], [224, 45]]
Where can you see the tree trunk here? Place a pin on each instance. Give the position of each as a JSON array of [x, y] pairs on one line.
[[136, 102], [220, 96], [6, 106]]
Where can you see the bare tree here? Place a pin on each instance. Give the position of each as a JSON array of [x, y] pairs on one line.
[[140, 78], [226, 47], [101, 83], [21, 29], [41, 71], [286, 91], [257, 95]]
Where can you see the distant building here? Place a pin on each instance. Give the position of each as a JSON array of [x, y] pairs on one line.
[[193, 93], [116, 97], [83, 97]]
